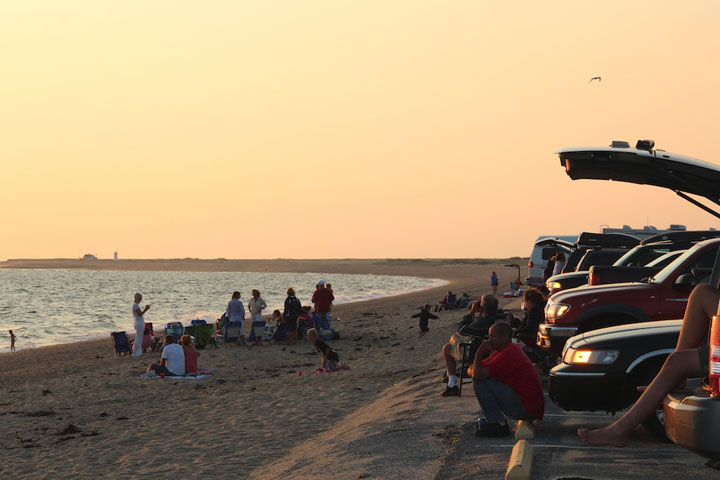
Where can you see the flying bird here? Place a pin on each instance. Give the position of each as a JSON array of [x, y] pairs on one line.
[[599, 79]]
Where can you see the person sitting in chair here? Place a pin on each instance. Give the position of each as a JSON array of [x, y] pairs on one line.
[[172, 361], [488, 309]]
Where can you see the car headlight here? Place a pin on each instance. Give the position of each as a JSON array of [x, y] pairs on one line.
[[553, 310], [574, 356], [552, 286]]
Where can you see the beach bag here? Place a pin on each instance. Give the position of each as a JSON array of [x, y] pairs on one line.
[[325, 334]]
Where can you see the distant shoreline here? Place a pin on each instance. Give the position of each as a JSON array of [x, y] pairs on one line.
[[419, 267]]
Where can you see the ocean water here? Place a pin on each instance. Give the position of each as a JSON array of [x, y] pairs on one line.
[[47, 307]]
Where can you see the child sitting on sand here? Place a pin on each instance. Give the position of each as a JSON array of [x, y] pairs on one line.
[[424, 315], [279, 331], [304, 321], [329, 356], [12, 341], [191, 355]]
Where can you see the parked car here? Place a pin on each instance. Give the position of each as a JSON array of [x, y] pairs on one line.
[[598, 248], [602, 369], [648, 251], [690, 419], [543, 249], [662, 297]]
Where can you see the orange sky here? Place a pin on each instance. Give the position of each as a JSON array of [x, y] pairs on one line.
[[309, 129]]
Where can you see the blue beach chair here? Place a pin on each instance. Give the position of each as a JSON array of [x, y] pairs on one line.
[[231, 332], [175, 329], [121, 343]]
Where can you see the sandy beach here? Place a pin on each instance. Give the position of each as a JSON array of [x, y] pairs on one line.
[[76, 411]]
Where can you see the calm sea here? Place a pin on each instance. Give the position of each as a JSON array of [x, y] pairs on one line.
[[47, 307]]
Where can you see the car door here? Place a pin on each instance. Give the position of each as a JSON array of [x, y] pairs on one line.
[[676, 298]]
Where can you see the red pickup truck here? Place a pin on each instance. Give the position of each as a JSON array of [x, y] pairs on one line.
[[662, 297]]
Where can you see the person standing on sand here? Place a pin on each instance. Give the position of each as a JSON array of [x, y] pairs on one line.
[[256, 306], [12, 341], [139, 324], [236, 312], [323, 298], [424, 316], [292, 311], [494, 282]]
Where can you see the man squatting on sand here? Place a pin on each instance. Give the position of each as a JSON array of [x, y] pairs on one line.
[[487, 307], [687, 361], [505, 383]]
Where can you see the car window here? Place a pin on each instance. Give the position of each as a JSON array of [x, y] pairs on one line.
[[668, 270], [664, 260], [598, 257], [706, 261], [547, 253]]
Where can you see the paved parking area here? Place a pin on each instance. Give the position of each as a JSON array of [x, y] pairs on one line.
[[560, 454]]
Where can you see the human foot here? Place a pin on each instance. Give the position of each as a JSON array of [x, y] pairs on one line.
[[603, 437]]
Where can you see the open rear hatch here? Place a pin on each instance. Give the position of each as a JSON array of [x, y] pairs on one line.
[[645, 166]]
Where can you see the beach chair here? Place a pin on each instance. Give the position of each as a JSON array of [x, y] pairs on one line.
[[231, 332], [257, 331], [204, 336], [175, 329], [121, 343]]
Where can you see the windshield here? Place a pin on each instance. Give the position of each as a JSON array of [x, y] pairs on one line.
[[640, 256], [663, 274]]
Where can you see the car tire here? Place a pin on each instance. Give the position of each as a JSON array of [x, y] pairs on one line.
[[655, 423]]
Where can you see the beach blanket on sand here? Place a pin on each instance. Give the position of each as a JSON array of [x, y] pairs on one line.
[[202, 373]]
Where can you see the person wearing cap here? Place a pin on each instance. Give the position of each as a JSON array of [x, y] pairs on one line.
[[323, 298]]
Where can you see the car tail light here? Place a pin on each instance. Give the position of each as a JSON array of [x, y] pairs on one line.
[[715, 357], [530, 264], [593, 279]]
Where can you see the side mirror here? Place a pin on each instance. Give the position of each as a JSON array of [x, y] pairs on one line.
[[685, 280]]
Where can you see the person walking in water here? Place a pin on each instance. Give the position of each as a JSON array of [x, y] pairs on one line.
[[139, 324], [236, 312], [12, 341]]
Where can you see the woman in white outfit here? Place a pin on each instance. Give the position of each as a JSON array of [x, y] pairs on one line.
[[257, 305], [236, 312], [139, 324]]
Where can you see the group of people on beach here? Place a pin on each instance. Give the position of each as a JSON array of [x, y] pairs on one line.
[[289, 325], [296, 321]]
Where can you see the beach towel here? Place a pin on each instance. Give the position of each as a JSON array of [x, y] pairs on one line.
[[202, 373]]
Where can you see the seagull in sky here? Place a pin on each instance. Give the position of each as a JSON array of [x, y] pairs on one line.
[[599, 79]]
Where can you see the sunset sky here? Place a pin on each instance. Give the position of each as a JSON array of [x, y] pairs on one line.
[[325, 129]]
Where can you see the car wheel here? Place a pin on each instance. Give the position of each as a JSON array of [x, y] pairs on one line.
[[655, 423]]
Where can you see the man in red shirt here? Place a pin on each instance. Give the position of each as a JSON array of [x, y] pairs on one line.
[[505, 383], [323, 298]]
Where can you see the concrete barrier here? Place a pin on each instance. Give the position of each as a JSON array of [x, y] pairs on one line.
[[520, 465]]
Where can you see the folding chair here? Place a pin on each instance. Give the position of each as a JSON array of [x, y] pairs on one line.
[[175, 329], [231, 332], [204, 336], [121, 343]]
